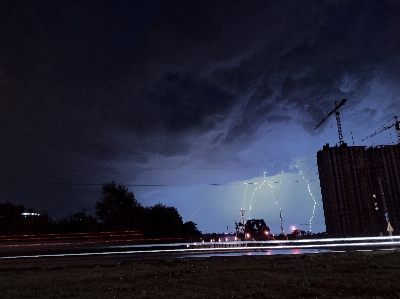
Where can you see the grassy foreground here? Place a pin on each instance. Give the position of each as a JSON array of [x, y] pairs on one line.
[[339, 275]]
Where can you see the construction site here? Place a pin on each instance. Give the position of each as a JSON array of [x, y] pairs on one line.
[[360, 185]]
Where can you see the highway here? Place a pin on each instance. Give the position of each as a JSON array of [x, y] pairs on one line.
[[55, 250]]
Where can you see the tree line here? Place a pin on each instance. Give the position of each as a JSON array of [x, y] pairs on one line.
[[117, 210]]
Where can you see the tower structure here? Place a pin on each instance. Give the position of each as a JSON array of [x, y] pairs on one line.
[[352, 198], [240, 227]]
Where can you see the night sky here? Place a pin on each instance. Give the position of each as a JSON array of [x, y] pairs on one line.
[[207, 106]]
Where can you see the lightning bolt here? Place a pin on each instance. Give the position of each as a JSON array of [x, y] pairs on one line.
[[193, 214], [309, 191], [254, 191], [245, 193], [273, 195]]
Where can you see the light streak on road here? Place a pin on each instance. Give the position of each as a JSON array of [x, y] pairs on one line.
[[52, 237], [81, 239], [353, 244]]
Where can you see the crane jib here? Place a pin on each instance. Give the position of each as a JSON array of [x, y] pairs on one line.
[[337, 114], [331, 112]]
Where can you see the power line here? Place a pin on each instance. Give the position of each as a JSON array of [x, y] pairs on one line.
[[141, 185]]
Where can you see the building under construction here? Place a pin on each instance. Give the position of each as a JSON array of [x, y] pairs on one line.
[[360, 186], [360, 189]]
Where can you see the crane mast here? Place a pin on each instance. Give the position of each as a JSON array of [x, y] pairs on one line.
[[396, 125], [337, 115]]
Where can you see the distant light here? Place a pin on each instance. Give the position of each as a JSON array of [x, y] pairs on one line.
[[30, 214], [266, 232]]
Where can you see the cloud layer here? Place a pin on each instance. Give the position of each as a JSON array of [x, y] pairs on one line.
[[181, 93]]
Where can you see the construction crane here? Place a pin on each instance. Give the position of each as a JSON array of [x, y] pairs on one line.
[[337, 114], [396, 125]]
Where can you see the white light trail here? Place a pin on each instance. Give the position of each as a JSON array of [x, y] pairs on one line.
[[362, 242]]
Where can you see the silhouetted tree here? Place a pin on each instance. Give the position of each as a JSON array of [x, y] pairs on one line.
[[11, 218], [88, 224], [118, 209], [78, 222], [163, 222], [189, 229]]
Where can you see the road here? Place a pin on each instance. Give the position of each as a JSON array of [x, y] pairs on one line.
[[115, 248]]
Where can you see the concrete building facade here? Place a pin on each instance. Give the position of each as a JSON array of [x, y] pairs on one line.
[[359, 186]]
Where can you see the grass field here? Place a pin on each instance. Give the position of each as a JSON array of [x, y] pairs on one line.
[[331, 275]]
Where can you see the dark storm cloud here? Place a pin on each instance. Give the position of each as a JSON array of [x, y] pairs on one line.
[[63, 67], [94, 85], [185, 102]]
